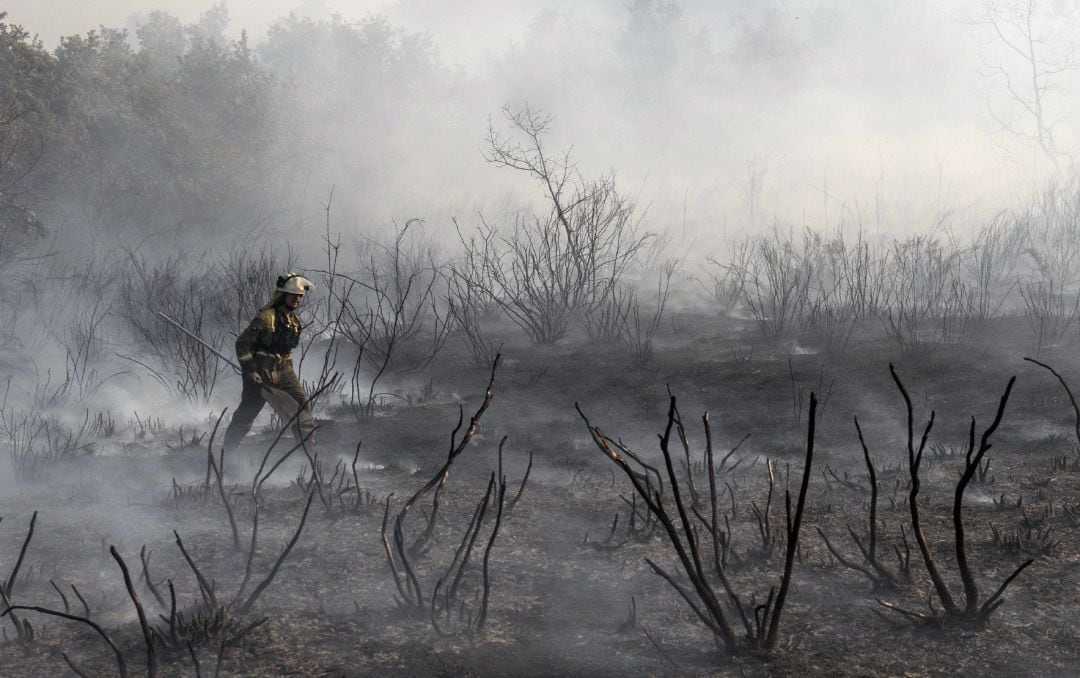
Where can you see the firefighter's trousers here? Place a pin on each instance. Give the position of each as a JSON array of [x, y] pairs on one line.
[[282, 376]]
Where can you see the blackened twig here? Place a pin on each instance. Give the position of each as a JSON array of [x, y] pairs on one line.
[[121, 664], [9, 586], [281, 559], [209, 597], [148, 637], [145, 558]]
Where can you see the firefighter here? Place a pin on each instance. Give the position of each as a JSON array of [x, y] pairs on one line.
[[264, 350]]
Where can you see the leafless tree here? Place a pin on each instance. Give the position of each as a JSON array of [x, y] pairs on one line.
[[1028, 51], [551, 270]]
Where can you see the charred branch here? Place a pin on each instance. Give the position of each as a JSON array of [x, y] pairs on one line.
[[121, 663], [1068, 392], [23, 631], [398, 554], [760, 622], [148, 636], [975, 611], [880, 575]]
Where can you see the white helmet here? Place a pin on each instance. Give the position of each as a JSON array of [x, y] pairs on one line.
[[293, 283]]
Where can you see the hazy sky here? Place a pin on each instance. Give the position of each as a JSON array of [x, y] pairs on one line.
[[54, 18], [445, 19], [861, 95]]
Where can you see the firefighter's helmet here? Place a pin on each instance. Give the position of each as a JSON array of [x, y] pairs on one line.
[[292, 283]]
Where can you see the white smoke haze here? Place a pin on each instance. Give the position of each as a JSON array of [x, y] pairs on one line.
[[736, 114], [810, 189]]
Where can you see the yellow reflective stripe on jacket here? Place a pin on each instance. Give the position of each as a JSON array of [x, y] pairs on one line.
[[258, 335], [292, 322]]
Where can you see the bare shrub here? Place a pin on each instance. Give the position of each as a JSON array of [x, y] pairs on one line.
[[342, 492], [34, 440], [611, 315], [451, 608], [24, 631], [75, 316], [244, 280], [976, 610], [468, 305], [390, 310], [180, 363], [828, 316], [777, 283], [541, 280], [327, 315], [924, 300], [723, 284], [640, 327], [829, 322], [863, 268], [1049, 314], [214, 619], [548, 271], [925, 291], [824, 284], [448, 603], [990, 264], [399, 287], [760, 623], [82, 343], [1051, 223]]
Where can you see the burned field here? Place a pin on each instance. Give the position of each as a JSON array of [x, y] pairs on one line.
[[641, 339], [537, 556]]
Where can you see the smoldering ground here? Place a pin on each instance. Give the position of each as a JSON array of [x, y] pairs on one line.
[[570, 591]]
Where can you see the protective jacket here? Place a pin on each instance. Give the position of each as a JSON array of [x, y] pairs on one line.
[[269, 339]]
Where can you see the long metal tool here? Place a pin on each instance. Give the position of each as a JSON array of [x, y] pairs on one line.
[[199, 339], [281, 401]]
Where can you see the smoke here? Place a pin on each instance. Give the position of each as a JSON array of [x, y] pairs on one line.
[[718, 119], [728, 115]]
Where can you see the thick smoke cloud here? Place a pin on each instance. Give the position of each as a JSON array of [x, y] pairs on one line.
[[730, 112]]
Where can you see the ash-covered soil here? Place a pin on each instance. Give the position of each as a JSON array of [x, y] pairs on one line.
[[570, 591]]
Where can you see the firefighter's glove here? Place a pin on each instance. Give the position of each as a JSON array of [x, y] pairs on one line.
[[254, 377]]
